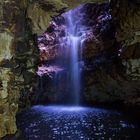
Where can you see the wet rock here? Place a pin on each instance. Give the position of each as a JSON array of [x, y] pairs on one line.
[[1, 110], [49, 9], [100, 87], [6, 46], [19, 53], [131, 52], [127, 33], [132, 68], [126, 15], [8, 103]]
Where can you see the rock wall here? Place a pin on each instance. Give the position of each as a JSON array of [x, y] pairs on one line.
[[8, 92], [50, 9], [118, 79], [20, 21], [126, 15], [95, 31], [112, 65], [18, 60]]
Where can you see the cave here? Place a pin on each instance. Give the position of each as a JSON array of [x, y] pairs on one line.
[[70, 70], [76, 44]]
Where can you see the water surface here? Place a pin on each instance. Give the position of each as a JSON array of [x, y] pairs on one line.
[[74, 123]]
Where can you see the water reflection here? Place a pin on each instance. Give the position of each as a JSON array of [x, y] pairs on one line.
[[74, 123]]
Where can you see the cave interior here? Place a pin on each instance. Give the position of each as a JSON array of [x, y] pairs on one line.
[[70, 70]]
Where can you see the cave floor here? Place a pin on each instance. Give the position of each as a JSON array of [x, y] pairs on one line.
[[74, 123]]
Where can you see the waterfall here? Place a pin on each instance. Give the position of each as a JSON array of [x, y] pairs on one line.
[[61, 53], [74, 70], [73, 44]]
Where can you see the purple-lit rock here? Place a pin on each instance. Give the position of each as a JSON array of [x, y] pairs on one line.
[[48, 70], [90, 32], [103, 74]]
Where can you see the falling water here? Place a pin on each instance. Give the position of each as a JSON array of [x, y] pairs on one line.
[[73, 43], [75, 72]]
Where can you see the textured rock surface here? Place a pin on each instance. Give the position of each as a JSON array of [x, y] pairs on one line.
[[111, 71], [94, 26], [93, 23], [132, 68], [126, 15], [114, 81], [8, 103], [8, 92], [49, 9], [6, 48], [20, 21], [16, 62], [119, 79]]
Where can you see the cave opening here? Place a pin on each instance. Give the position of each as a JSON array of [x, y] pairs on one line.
[[68, 75], [79, 60], [75, 43]]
